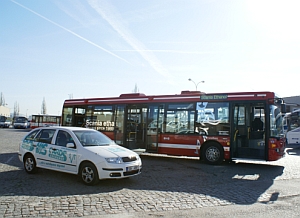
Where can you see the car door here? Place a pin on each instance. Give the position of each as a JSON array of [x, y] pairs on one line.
[[28, 143], [63, 156], [42, 142]]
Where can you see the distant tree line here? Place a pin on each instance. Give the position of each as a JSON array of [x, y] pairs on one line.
[[44, 108], [2, 100], [17, 108], [136, 89]]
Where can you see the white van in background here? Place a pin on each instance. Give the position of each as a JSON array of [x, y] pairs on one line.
[[20, 123], [293, 136]]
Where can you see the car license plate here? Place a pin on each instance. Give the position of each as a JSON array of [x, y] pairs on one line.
[[128, 169]]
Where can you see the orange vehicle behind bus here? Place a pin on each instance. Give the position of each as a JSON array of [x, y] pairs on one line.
[[42, 120]]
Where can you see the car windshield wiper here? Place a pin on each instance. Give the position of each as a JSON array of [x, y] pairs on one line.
[[104, 144]]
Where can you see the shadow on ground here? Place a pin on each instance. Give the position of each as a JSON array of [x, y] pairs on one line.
[[241, 183]]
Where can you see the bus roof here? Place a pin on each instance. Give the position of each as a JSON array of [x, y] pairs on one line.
[[47, 115], [184, 96]]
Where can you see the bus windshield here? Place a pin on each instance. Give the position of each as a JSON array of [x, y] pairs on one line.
[[2, 118], [276, 122]]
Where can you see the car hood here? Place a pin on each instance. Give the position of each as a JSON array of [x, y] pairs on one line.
[[111, 151]]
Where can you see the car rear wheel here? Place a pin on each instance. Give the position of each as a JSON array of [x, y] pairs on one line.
[[29, 164], [88, 174]]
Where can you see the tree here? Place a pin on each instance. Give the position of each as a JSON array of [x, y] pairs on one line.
[[2, 100], [44, 109], [16, 109]]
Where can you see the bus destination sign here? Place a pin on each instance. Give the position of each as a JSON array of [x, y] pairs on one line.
[[213, 97]]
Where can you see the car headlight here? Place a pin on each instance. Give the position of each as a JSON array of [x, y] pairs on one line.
[[116, 160]]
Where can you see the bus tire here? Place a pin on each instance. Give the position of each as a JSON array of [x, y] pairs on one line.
[[29, 164], [213, 153], [88, 174]]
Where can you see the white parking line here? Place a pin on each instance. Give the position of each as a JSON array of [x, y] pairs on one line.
[[9, 160]]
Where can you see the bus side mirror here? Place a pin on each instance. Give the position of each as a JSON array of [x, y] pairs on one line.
[[283, 108]]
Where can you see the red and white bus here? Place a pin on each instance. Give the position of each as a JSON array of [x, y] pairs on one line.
[[42, 120], [214, 127]]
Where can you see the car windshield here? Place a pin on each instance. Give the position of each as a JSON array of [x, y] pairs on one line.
[[92, 138]]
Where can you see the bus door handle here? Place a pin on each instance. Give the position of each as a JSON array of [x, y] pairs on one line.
[[235, 134], [249, 130]]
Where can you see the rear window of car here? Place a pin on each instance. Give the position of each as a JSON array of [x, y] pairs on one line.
[[31, 135], [45, 135]]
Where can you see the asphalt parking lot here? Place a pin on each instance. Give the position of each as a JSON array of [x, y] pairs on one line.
[[166, 185]]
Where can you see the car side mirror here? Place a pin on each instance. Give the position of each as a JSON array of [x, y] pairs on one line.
[[70, 145]]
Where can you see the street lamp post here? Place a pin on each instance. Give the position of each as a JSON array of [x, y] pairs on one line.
[[196, 84]]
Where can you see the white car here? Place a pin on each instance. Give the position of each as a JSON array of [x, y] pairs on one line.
[[85, 152]]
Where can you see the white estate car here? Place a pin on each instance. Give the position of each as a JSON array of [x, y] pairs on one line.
[[75, 150]]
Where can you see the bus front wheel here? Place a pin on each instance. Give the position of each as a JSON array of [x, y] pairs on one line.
[[213, 153]]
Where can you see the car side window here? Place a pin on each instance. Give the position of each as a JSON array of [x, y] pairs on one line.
[[63, 138], [32, 135], [45, 135]]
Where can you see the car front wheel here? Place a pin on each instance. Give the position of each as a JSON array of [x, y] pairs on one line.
[[88, 174], [30, 164]]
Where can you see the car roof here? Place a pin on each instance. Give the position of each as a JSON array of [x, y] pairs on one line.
[[71, 128]]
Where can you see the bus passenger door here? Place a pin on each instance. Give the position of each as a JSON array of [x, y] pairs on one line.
[[135, 126], [155, 120], [248, 137], [240, 133]]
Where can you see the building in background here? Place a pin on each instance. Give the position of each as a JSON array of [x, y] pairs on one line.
[[4, 111], [292, 103]]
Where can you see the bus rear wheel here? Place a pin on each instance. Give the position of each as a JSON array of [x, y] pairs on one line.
[[213, 153]]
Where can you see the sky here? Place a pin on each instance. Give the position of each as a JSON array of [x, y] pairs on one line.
[[54, 50]]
